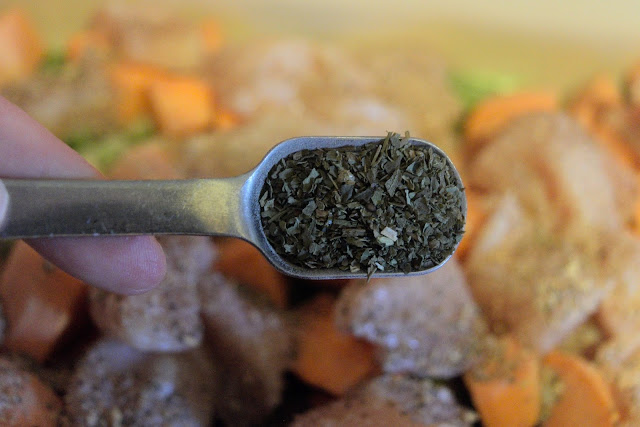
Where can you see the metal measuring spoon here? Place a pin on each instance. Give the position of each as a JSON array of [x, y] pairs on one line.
[[215, 207]]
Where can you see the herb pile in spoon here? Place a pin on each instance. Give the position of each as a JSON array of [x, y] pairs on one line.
[[385, 206]]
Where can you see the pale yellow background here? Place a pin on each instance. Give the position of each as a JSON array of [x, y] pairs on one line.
[[553, 42]]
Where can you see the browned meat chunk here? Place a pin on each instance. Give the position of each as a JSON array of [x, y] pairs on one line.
[[153, 35], [558, 172], [24, 399], [115, 384], [392, 400], [168, 317], [251, 348], [537, 284], [426, 325]]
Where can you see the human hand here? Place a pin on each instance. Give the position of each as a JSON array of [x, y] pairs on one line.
[[127, 265]]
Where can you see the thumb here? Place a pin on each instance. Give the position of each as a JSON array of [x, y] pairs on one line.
[[4, 203]]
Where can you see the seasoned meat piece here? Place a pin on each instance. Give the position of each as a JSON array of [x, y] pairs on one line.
[[251, 348], [231, 153], [150, 160], [538, 284], [619, 313], [115, 384], [558, 172], [419, 83], [152, 34], [188, 255], [79, 100], [24, 399], [392, 400], [287, 74], [281, 89], [166, 318], [426, 325]]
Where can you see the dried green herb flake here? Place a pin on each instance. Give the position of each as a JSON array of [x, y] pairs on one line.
[[384, 206]]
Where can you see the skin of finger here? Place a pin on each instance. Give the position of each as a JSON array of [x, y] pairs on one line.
[[128, 265], [120, 264], [4, 203]]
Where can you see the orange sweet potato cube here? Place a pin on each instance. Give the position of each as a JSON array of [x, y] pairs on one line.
[[181, 105], [326, 357], [132, 82], [42, 304], [242, 262], [21, 49]]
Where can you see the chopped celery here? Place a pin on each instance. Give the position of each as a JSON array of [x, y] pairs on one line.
[[103, 151], [140, 130], [80, 140], [473, 86], [54, 62]]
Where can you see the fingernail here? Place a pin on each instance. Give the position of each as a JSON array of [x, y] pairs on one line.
[[4, 203]]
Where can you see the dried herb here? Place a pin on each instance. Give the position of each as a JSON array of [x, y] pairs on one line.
[[385, 206]]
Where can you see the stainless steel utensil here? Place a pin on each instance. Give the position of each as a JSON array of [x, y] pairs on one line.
[[215, 207]]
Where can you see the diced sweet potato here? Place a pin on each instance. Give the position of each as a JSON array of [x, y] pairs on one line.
[[181, 105], [25, 400], [251, 345], [225, 120], [166, 318], [585, 397], [594, 107], [426, 325], [474, 220], [132, 82], [534, 283], [619, 362], [392, 400], [211, 35], [558, 172], [148, 161], [326, 357], [115, 384], [491, 115], [505, 384], [242, 262], [92, 42], [599, 93], [21, 48], [42, 304]]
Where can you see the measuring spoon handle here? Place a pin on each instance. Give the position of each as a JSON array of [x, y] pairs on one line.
[[51, 208]]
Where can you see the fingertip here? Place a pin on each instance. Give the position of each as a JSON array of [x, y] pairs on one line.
[[124, 265], [147, 270]]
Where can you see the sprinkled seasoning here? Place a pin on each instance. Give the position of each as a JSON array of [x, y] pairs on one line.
[[385, 206]]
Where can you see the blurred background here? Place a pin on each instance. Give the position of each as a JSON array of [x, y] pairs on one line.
[[536, 102], [543, 42]]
